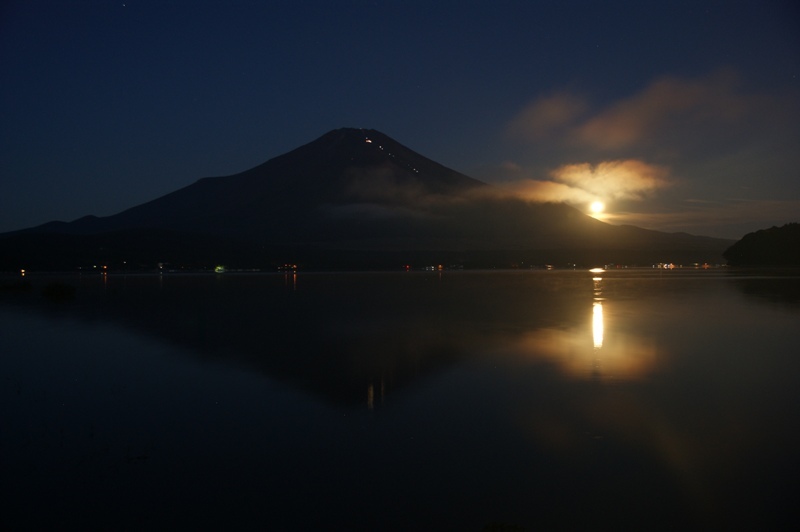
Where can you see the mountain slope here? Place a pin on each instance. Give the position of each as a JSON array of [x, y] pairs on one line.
[[776, 246], [343, 167]]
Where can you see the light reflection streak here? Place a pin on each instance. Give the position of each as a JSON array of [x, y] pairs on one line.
[[597, 312], [597, 324], [617, 350], [371, 394]]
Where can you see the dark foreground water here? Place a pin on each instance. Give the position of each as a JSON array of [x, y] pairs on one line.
[[456, 401]]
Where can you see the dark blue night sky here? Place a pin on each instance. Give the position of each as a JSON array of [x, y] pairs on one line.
[[679, 116]]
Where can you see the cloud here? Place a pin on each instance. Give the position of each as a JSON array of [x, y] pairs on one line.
[[373, 211], [548, 116], [385, 193], [731, 218], [384, 185], [627, 179], [543, 191], [670, 116], [664, 107]]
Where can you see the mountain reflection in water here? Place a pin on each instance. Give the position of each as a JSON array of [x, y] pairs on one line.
[[555, 398], [335, 334]]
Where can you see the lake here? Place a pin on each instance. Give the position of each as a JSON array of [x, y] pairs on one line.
[[454, 400]]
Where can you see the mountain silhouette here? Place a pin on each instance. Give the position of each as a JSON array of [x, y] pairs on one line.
[[776, 246], [353, 198]]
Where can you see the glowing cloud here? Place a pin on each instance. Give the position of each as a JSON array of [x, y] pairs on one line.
[[585, 183], [629, 179], [544, 191]]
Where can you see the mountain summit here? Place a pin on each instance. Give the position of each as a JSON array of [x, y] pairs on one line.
[[351, 198], [338, 171]]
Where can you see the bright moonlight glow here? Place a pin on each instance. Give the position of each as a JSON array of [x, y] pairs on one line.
[[597, 207]]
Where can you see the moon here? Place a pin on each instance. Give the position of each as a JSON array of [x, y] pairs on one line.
[[597, 207]]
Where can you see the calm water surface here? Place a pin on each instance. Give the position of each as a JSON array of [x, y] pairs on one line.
[[456, 400]]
